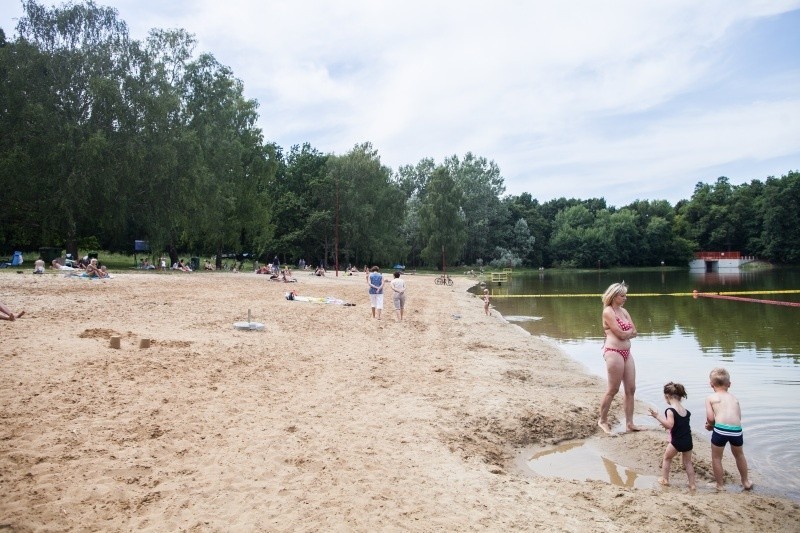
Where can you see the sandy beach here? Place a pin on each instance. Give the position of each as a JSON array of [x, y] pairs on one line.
[[327, 420]]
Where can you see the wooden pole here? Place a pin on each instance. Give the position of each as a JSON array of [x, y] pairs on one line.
[[336, 240]]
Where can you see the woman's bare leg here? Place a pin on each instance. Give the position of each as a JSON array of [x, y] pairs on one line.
[[616, 368], [629, 384]]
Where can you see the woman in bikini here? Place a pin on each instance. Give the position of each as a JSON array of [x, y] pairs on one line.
[[619, 330]]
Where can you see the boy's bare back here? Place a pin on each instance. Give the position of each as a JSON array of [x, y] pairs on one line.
[[722, 407], [724, 420]]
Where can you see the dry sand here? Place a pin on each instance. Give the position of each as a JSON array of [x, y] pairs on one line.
[[327, 420]]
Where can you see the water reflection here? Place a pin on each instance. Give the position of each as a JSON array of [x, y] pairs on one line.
[[613, 474], [580, 460], [561, 448], [681, 338], [723, 279], [659, 309]]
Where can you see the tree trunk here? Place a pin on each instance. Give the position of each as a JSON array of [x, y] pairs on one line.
[[72, 247], [173, 254], [218, 262]]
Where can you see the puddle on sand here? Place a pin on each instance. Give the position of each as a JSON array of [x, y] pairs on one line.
[[580, 460]]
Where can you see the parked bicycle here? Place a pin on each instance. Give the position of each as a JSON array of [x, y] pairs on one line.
[[444, 279]]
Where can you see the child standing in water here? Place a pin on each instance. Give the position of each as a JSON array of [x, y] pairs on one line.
[[724, 420], [676, 420], [486, 301]]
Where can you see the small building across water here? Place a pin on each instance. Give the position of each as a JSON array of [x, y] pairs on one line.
[[718, 261]]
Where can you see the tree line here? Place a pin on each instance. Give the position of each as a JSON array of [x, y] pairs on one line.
[[105, 140]]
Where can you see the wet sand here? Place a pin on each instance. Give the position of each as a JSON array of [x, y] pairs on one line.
[[326, 420]]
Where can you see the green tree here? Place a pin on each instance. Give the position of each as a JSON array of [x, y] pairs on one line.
[[482, 185], [24, 145], [442, 220], [583, 238], [163, 155], [413, 182], [747, 217], [411, 231], [556, 253], [233, 208], [526, 207], [413, 179], [71, 67], [654, 223], [781, 233], [707, 216], [621, 238], [294, 202], [523, 241], [370, 207]]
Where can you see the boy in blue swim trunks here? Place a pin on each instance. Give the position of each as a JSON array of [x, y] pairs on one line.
[[724, 420]]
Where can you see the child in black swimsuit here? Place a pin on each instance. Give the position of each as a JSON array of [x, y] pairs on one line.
[[676, 419]]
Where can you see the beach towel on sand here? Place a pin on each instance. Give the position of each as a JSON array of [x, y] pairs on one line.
[[316, 299]]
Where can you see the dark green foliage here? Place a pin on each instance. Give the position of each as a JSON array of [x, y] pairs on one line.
[[780, 237], [442, 223], [105, 139], [109, 137]]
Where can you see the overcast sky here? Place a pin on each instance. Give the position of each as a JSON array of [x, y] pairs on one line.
[[623, 100]]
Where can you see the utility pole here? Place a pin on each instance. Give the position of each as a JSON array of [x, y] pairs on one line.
[[336, 233]]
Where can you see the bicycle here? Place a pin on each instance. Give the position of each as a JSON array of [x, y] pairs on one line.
[[444, 279]]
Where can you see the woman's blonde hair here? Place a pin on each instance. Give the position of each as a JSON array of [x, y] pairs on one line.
[[614, 290]]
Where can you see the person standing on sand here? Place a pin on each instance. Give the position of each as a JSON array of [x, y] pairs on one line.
[[486, 301], [619, 329], [375, 281], [724, 420], [399, 297], [7, 314], [676, 420]]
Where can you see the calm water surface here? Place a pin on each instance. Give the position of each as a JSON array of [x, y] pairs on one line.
[[681, 339]]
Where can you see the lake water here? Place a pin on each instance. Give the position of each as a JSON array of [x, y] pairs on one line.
[[681, 338]]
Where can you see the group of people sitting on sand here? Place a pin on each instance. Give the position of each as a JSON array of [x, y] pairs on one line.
[[88, 268], [181, 266], [145, 264], [284, 275]]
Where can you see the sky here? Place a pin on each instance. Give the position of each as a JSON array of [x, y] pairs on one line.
[[623, 99]]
